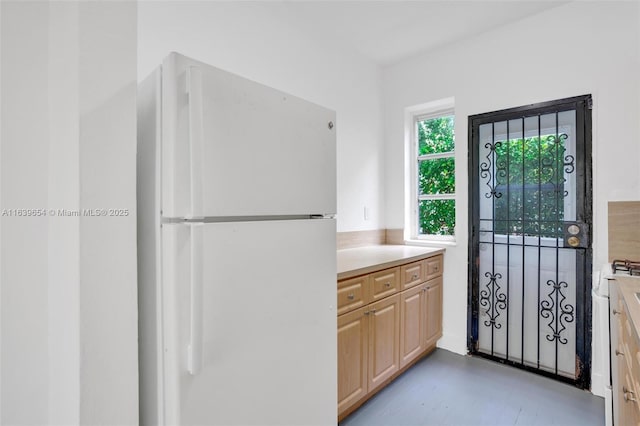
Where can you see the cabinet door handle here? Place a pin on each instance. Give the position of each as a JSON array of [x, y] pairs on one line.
[[615, 312], [373, 311], [628, 395], [366, 312], [350, 296], [618, 353]]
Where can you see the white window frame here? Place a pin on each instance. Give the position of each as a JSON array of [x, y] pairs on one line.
[[443, 107]]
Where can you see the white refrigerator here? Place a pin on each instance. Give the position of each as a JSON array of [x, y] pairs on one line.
[[236, 242]]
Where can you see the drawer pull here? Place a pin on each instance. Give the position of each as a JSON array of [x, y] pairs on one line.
[[615, 312], [628, 395], [366, 312], [414, 277], [618, 353], [350, 296], [387, 285], [373, 311]]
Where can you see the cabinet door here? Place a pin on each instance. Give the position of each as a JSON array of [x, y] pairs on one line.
[[352, 358], [384, 340], [615, 328], [412, 321], [629, 413], [433, 302]]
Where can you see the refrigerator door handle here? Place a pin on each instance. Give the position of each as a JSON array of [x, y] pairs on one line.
[[196, 133], [195, 350]]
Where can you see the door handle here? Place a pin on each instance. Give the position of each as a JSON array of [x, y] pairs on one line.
[[196, 134], [195, 350]]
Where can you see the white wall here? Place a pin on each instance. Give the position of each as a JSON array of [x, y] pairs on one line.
[[25, 350], [108, 263], [68, 284], [263, 42], [575, 49]]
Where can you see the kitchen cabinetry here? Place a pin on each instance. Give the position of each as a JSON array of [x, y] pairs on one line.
[[353, 353], [421, 319], [625, 356], [384, 340], [387, 320], [412, 327], [433, 311]]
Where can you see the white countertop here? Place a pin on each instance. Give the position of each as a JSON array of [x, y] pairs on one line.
[[363, 260]]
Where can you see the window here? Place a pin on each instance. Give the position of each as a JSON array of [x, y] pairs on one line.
[[433, 208]]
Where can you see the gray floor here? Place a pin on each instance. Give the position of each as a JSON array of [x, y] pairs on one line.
[[450, 389]]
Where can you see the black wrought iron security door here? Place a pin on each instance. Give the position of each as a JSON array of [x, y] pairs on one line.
[[530, 251]]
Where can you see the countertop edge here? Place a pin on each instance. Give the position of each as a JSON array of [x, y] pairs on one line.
[[389, 264]]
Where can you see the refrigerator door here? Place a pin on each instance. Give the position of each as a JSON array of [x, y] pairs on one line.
[[250, 323], [233, 147]]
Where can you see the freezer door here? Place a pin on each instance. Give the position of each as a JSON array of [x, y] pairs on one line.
[[250, 323], [233, 147]]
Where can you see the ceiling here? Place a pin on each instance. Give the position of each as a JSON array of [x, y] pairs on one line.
[[389, 31]]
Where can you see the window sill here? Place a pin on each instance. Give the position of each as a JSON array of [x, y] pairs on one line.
[[431, 243]]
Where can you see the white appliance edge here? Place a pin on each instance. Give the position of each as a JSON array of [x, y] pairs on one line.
[[237, 317], [601, 362]]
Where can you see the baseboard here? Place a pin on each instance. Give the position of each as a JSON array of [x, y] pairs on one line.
[[453, 343]]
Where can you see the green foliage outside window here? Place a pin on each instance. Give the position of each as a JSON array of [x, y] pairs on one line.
[[436, 176], [529, 179]]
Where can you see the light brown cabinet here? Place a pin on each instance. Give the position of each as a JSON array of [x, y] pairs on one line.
[[352, 293], [384, 340], [421, 319], [412, 274], [353, 341], [625, 361], [433, 311], [412, 324], [384, 283], [387, 320]]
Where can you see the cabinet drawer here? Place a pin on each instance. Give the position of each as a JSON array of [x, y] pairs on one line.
[[352, 293], [433, 267], [384, 283], [411, 274]]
